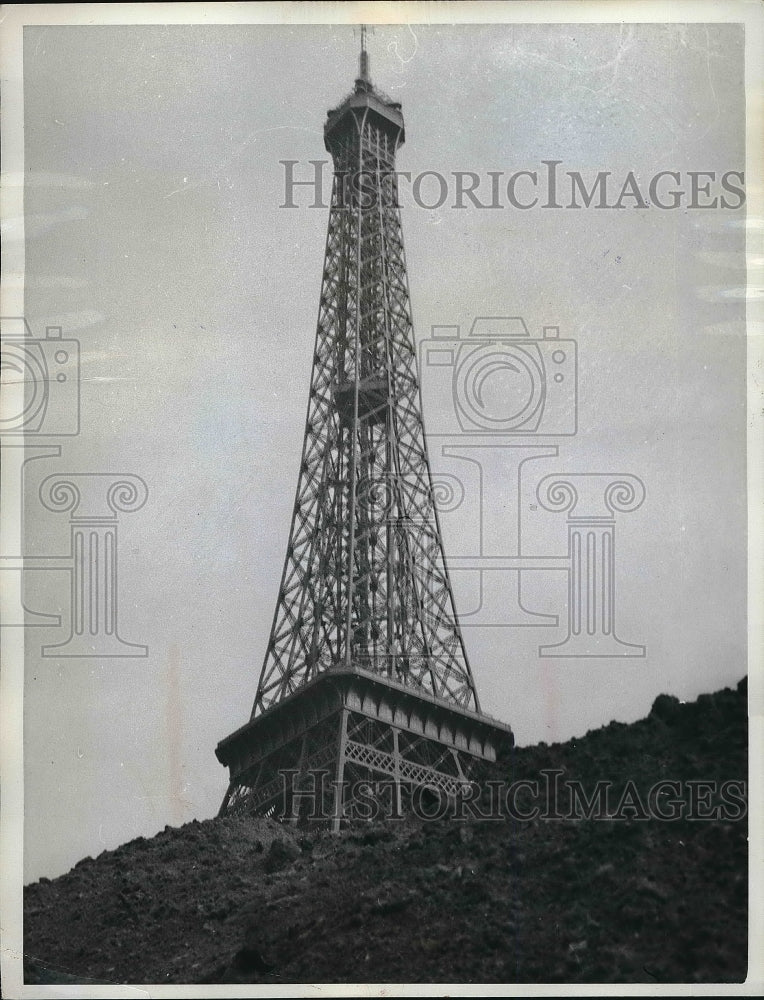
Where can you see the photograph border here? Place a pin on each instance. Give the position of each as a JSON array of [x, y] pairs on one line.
[[751, 15]]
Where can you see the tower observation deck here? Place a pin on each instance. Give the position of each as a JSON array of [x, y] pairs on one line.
[[366, 677]]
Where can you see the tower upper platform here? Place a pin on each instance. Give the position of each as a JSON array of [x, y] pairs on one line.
[[365, 101]]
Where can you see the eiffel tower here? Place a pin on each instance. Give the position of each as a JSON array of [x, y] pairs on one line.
[[366, 687]]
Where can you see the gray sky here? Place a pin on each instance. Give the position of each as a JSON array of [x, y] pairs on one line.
[[154, 236]]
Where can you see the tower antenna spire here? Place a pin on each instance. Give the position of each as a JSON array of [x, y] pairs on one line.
[[363, 59]]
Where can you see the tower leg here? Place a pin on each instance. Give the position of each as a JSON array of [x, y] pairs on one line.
[[398, 805], [299, 778], [340, 777]]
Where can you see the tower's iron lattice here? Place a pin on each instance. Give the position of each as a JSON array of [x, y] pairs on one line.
[[365, 675]]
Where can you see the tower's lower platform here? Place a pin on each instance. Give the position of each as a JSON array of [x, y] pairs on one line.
[[354, 745]]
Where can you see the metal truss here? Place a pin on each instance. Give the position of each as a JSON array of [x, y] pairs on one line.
[[365, 695], [365, 581], [343, 749], [324, 788]]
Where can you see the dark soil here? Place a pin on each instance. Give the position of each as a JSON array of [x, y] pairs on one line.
[[624, 900]]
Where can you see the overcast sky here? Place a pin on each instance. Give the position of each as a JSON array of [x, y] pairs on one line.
[[155, 237]]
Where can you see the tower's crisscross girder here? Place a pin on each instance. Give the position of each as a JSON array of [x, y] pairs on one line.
[[365, 582], [365, 682]]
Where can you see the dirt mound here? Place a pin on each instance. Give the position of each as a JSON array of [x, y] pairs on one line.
[[518, 898]]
